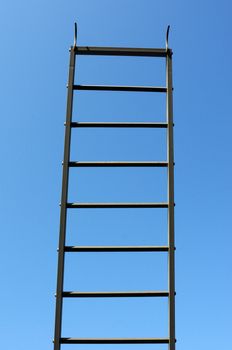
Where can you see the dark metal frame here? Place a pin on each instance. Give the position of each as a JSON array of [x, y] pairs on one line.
[[171, 238], [170, 249], [64, 198]]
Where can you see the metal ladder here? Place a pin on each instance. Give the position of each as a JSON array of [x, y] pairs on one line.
[[166, 53]]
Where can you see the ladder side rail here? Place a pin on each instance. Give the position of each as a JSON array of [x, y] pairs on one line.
[[63, 210], [171, 242]]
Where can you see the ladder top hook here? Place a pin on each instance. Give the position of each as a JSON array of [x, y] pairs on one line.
[[75, 35], [167, 35]]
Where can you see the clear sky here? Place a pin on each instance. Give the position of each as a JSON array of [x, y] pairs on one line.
[[35, 38]]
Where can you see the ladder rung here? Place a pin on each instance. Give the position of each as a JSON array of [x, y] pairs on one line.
[[115, 294], [116, 248], [117, 205], [120, 51], [120, 88], [118, 125], [118, 164], [114, 340]]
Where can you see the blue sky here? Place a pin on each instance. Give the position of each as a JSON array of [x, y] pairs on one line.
[[35, 38]]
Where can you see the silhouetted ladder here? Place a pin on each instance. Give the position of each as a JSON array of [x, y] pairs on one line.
[[170, 294]]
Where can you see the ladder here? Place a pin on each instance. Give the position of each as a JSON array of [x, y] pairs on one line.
[[166, 53]]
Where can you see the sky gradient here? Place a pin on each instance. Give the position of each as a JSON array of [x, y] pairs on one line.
[[35, 38]]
